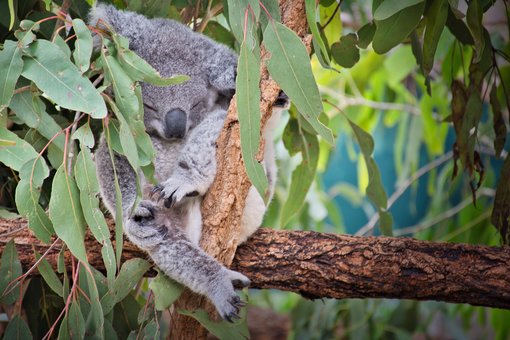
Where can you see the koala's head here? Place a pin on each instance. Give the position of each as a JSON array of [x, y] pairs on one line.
[[172, 48]]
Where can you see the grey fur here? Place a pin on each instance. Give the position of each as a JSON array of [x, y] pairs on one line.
[[185, 167]]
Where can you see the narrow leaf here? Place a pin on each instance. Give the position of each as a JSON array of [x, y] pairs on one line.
[[17, 329], [11, 65], [86, 179], [49, 276], [498, 121], [474, 16], [66, 213], [436, 16], [289, 65], [10, 269], [318, 43], [247, 100], [50, 69], [83, 45]]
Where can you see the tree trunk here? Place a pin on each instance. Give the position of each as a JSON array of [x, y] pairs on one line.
[[322, 265]]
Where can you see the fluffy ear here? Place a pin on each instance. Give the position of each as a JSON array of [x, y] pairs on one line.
[[131, 25], [221, 68]]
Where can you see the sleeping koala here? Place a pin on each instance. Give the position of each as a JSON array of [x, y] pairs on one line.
[[184, 122]]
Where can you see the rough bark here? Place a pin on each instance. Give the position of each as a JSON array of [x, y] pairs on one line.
[[321, 265]]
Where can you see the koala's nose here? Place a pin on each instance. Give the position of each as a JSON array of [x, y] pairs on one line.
[[175, 121]]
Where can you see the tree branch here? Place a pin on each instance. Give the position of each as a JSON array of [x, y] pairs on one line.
[[322, 265]]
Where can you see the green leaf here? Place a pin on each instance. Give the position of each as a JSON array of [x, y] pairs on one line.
[[28, 190], [84, 135], [474, 16], [498, 121], [12, 16], [289, 65], [393, 30], [237, 10], [375, 190], [389, 8], [83, 45], [11, 65], [110, 263], [165, 290], [127, 141], [75, 322], [32, 111], [130, 273], [63, 46], [10, 269], [345, 52], [222, 329], [436, 16], [500, 217], [95, 319], [17, 329], [86, 179], [365, 35], [50, 69], [66, 213], [16, 151], [49, 276], [318, 44], [459, 29], [247, 100], [304, 174], [139, 69]]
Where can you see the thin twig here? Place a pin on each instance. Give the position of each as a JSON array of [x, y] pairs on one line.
[[443, 216], [346, 101], [332, 16], [403, 187]]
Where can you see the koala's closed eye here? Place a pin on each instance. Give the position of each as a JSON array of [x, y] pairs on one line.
[[150, 107]]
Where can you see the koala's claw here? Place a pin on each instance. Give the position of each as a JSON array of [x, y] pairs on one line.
[[236, 303], [172, 191]]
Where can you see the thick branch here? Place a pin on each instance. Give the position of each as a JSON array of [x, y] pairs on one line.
[[319, 265]]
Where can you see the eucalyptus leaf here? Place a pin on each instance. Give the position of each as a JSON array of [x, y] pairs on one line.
[[345, 52], [221, 329], [436, 16], [130, 273], [289, 65], [66, 213], [166, 291], [10, 269], [474, 16], [11, 65], [52, 71], [49, 276], [392, 31], [391, 7], [83, 45], [17, 329], [247, 100]]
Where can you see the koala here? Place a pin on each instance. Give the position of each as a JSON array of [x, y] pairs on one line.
[[183, 122]]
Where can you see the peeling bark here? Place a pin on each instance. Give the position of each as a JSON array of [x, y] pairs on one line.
[[322, 265]]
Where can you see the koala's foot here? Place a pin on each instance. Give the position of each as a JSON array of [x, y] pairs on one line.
[[142, 228], [173, 190], [223, 296]]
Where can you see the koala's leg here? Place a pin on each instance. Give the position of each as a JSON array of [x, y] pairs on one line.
[[125, 175], [196, 167], [160, 235]]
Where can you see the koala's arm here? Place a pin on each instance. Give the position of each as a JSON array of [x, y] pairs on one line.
[[196, 166], [125, 174]]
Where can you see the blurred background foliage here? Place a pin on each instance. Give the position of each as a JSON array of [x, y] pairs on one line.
[[388, 90]]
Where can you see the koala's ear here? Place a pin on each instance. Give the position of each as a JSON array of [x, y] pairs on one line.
[[221, 68], [131, 25]]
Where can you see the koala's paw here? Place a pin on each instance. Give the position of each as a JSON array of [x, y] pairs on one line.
[[141, 228], [173, 190], [227, 302]]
